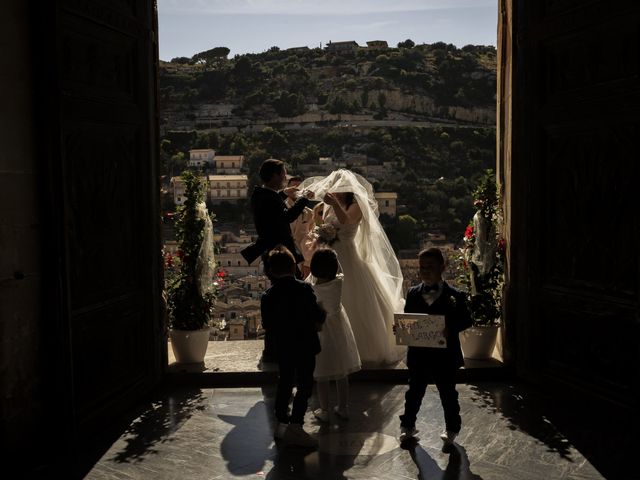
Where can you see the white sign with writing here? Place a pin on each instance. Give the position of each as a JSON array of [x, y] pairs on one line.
[[420, 330]]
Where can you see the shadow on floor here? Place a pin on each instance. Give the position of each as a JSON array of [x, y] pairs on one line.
[[604, 438], [458, 467], [248, 445], [157, 423]]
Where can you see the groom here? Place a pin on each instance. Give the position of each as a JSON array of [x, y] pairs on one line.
[[272, 219]]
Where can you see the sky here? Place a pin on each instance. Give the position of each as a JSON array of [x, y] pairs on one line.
[[187, 27]]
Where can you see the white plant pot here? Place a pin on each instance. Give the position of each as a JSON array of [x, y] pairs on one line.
[[189, 346], [478, 342]]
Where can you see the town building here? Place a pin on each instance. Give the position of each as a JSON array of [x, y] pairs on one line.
[[201, 157], [177, 185], [377, 45], [387, 203], [227, 188], [233, 263], [236, 329], [298, 49], [228, 164], [342, 47], [220, 188], [254, 285]]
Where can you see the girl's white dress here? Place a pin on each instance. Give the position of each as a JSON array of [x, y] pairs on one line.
[[339, 355]]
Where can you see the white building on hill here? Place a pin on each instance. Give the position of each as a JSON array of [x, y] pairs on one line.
[[387, 203], [227, 188], [201, 157], [228, 164]]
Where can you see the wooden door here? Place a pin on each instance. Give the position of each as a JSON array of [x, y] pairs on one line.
[[103, 191], [572, 183]]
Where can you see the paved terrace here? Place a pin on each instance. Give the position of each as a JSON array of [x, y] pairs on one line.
[[510, 432], [237, 363]]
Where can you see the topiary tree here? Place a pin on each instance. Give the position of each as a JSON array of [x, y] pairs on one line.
[[483, 255], [189, 298]]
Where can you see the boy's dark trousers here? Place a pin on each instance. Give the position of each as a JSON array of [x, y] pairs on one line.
[[423, 371], [296, 371]]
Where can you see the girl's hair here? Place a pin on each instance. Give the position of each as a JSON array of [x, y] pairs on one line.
[[324, 263]]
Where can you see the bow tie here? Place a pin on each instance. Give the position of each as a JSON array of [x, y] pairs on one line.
[[430, 288]]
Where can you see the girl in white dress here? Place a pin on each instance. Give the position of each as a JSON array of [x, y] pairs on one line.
[[372, 290], [339, 355]]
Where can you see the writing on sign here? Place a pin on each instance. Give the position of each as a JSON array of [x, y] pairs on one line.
[[420, 330]]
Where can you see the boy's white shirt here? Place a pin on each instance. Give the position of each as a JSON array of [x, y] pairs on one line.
[[433, 295]]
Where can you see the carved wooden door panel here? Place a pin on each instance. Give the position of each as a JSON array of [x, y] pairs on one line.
[[106, 186], [577, 122]]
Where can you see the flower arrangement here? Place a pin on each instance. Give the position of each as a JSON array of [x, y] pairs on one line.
[[189, 306], [483, 255], [326, 233]]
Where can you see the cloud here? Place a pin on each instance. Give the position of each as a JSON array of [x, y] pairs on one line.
[[312, 7]]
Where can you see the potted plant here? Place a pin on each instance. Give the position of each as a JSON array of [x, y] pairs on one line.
[[190, 285], [483, 270]]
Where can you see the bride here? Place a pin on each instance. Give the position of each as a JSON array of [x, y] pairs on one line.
[[372, 289]]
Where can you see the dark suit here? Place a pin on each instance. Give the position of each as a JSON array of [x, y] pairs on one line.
[[289, 308], [272, 219], [436, 365]]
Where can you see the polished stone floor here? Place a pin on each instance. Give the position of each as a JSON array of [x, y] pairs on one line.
[[227, 433]]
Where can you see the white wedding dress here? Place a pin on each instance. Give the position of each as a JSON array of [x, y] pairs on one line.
[[372, 290], [369, 305]]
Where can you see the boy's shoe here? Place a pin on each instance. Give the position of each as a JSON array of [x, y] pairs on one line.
[[448, 437], [279, 431], [321, 415], [295, 435], [341, 413], [407, 433]]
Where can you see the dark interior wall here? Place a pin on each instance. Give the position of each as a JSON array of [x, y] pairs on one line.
[[81, 327], [21, 230], [574, 297]]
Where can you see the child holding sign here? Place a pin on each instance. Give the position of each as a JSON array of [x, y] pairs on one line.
[[435, 365]]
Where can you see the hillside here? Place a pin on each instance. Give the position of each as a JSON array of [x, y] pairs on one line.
[[429, 109], [423, 83]]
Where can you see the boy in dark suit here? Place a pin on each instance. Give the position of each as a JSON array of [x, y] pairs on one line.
[[435, 365], [289, 308]]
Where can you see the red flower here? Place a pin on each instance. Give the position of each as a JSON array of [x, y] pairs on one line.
[[468, 233], [502, 245]]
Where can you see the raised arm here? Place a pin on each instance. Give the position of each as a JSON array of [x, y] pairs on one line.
[[351, 214], [294, 212]]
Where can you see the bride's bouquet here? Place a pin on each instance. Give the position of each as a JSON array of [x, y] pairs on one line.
[[326, 233]]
